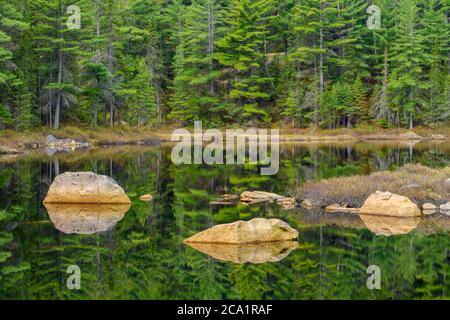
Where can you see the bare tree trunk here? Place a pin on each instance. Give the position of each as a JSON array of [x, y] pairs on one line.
[[110, 59], [50, 103], [97, 58], [211, 36], [321, 58], [58, 92], [152, 66], [60, 67]]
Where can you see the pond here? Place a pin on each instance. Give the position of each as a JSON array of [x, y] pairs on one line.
[[140, 254]]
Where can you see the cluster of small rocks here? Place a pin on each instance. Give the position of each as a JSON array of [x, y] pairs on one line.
[[429, 209]]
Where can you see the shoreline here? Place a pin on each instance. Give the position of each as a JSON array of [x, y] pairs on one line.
[[22, 142]]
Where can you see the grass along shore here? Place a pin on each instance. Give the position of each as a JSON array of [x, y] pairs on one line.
[[123, 135], [419, 183]]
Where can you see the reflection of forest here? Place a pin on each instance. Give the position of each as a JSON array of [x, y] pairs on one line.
[[425, 225], [143, 255]]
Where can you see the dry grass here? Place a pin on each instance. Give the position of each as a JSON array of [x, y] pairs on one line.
[[118, 134], [354, 190], [128, 135]]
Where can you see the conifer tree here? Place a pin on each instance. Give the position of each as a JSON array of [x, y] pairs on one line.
[[408, 59], [195, 84], [15, 101], [241, 54]]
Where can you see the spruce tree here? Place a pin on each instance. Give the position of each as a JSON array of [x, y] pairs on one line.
[[195, 84], [408, 59], [241, 54]]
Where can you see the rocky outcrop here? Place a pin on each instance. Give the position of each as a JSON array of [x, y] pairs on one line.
[[252, 197], [85, 187], [258, 230], [247, 253], [389, 204], [85, 218], [64, 144]]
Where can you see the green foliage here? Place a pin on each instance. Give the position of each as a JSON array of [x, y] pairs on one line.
[[226, 62]]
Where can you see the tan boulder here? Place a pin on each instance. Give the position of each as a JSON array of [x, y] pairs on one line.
[[258, 230], [249, 252], [85, 218], [85, 187], [389, 204]]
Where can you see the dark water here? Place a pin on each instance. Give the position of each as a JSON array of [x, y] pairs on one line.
[[142, 255]]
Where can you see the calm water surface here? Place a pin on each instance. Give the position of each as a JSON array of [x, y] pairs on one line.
[[140, 255]]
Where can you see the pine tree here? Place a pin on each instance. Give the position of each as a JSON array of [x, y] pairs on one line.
[[15, 101], [408, 59], [136, 92], [241, 54], [436, 31], [195, 84]]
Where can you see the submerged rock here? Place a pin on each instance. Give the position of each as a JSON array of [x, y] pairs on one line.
[[438, 137], [389, 226], [286, 203], [410, 136], [222, 203], [85, 187], [85, 218], [247, 253], [146, 198], [445, 208], [428, 208], [258, 230], [8, 150], [252, 197], [308, 204], [227, 197], [389, 204], [54, 144]]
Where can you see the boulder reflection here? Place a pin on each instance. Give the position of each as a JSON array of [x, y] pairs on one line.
[[247, 253], [85, 218], [389, 226]]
